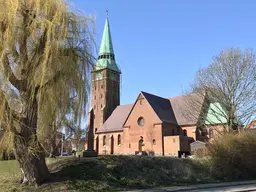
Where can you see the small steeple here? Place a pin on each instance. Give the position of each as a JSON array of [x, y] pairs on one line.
[[106, 57]]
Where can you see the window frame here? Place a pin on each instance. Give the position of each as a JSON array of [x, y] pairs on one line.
[[139, 121], [119, 140], [104, 141]]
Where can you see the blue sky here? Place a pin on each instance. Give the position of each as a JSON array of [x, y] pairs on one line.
[[159, 45]]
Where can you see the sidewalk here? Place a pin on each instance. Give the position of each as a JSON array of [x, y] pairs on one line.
[[201, 187]]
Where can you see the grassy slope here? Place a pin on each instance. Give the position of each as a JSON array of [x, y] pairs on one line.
[[111, 173], [10, 174]]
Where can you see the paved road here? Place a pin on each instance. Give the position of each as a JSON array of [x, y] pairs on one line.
[[240, 188], [219, 187]]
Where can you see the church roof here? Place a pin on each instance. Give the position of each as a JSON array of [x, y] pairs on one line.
[[107, 64], [174, 110], [162, 107], [186, 108], [116, 120]]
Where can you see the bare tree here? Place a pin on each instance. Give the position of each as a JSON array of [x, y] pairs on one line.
[[227, 89], [45, 59]]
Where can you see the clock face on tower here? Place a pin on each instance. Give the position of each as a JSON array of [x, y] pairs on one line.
[[113, 76], [98, 75]]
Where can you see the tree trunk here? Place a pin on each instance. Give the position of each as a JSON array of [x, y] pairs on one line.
[[28, 151], [32, 162]]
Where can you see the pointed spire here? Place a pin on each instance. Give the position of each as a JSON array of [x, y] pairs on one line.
[[106, 57], [106, 46]]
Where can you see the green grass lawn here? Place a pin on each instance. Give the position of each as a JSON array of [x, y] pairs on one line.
[[109, 173], [10, 174]]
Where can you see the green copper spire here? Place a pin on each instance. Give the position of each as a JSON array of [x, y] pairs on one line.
[[106, 42], [106, 57]]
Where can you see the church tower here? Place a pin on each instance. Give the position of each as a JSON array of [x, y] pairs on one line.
[[105, 81]]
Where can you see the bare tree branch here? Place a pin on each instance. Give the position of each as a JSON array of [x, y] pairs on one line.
[[230, 86]]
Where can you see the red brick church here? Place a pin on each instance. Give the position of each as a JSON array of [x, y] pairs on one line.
[[151, 125]]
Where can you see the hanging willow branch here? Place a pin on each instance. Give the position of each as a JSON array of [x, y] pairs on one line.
[[45, 61]]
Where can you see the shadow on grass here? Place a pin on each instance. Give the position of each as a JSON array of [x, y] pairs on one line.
[[111, 173]]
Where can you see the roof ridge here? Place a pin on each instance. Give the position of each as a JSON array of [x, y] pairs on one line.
[[154, 95], [179, 96], [164, 105], [125, 104]]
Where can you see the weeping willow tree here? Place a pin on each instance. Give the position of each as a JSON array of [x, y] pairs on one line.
[[45, 60]]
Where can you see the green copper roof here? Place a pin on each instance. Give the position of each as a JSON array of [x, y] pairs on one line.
[[216, 114], [106, 42], [106, 59], [107, 64]]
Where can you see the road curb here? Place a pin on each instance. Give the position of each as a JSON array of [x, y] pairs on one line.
[[196, 187]]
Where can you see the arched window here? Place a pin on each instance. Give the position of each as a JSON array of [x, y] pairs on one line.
[[154, 142], [178, 131], [210, 132], [141, 143], [185, 132], [119, 140], [104, 140]]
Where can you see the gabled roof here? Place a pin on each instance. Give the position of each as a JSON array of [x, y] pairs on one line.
[[116, 120], [162, 107], [198, 142], [186, 108], [174, 110]]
